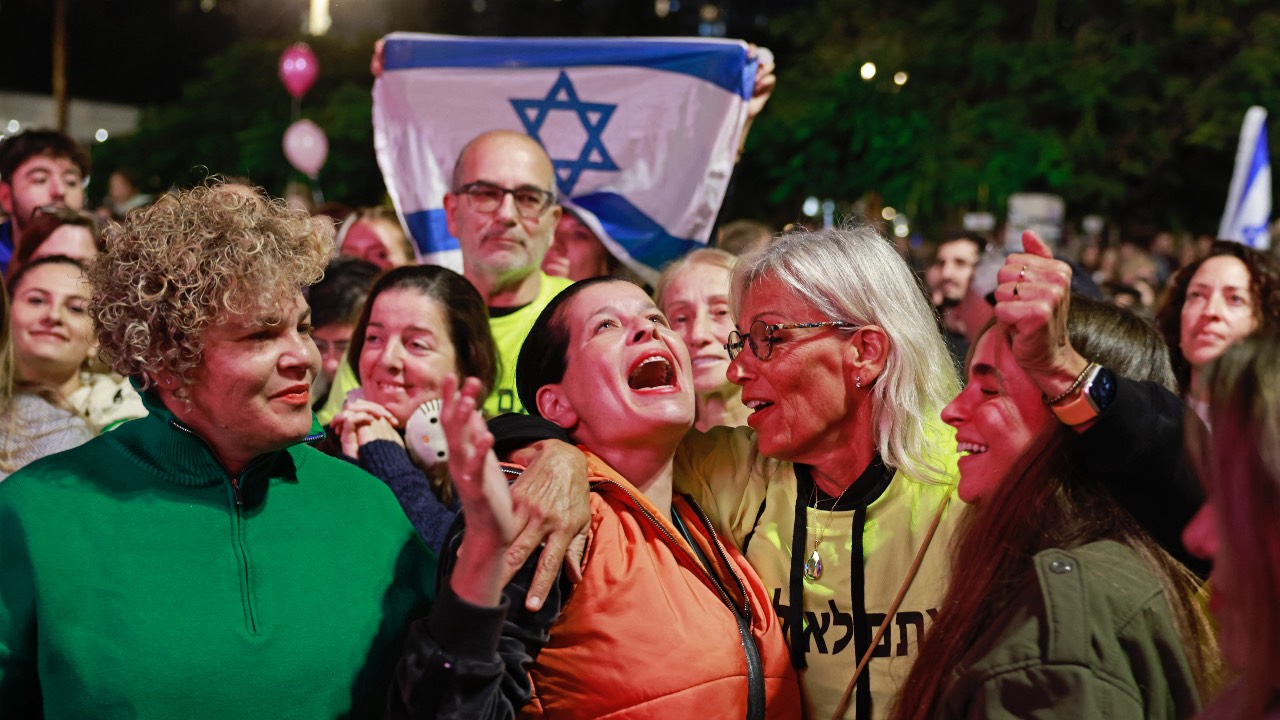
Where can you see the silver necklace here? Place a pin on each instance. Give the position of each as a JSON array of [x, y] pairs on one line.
[[813, 565]]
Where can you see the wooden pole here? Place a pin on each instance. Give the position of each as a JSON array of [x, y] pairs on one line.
[[60, 63]]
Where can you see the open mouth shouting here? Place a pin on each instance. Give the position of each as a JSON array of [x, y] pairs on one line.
[[652, 372]]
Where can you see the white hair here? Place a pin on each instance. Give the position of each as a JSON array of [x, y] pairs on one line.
[[855, 274]]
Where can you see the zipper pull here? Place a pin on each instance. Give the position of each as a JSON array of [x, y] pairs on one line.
[[235, 488]]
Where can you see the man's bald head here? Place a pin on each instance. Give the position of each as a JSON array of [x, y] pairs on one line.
[[497, 141], [501, 248]]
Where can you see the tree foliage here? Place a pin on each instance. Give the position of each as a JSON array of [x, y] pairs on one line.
[[231, 119], [1129, 108]]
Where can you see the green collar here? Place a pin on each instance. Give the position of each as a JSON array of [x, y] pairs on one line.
[[180, 456]]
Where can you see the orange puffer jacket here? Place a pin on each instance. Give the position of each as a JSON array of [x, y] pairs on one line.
[[650, 633]]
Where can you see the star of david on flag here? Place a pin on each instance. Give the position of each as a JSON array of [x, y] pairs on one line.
[[642, 132], [594, 117]]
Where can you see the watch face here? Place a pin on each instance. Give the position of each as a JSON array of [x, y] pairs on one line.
[[1102, 390]]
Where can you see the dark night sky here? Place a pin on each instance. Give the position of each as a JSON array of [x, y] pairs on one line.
[[140, 51]]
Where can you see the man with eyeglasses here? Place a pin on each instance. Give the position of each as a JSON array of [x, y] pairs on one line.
[[503, 211], [37, 168]]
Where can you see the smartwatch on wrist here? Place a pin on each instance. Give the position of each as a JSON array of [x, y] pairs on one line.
[[1094, 397]]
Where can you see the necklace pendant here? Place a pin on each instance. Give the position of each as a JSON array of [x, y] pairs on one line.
[[813, 566]]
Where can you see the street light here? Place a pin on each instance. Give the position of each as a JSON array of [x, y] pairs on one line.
[[319, 20], [868, 70], [899, 78]]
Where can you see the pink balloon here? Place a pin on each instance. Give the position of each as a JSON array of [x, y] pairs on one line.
[[306, 147], [298, 69]]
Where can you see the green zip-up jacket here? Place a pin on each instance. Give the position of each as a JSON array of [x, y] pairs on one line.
[[1094, 638], [138, 580]]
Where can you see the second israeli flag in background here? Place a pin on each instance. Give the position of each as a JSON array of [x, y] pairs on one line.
[[1247, 217], [643, 133]]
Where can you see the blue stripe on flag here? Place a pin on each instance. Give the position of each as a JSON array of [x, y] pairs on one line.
[[1261, 159], [430, 230], [644, 238], [717, 63]]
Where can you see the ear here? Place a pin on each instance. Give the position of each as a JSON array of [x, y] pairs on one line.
[[163, 381], [451, 207], [867, 353], [554, 405], [6, 198], [166, 385]]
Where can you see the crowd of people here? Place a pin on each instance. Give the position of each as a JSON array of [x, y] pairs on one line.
[[256, 464]]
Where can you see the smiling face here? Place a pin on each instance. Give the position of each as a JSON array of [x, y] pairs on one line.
[[374, 241], [999, 418], [1218, 310], [803, 394], [576, 253], [50, 323], [502, 243], [696, 302], [251, 393], [407, 351], [626, 377]]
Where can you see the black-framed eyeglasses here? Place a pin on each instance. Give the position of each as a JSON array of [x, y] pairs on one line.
[[761, 336], [485, 197]]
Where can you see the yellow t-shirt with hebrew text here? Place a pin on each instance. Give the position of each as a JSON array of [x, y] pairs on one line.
[[746, 496]]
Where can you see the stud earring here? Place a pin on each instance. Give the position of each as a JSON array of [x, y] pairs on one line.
[[858, 381]]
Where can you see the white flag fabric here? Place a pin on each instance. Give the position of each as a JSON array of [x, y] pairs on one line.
[[1247, 217], [643, 133]]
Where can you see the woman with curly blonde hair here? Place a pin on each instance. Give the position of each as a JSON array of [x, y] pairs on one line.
[[222, 567]]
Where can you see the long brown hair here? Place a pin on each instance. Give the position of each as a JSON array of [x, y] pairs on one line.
[[1242, 466], [1050, 504], [7, 419]]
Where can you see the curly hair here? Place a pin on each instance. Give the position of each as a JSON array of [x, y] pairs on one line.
[[187, 262], [1264, 287]]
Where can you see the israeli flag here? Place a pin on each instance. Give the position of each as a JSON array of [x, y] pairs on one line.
[[1247, 217], [643, 133]]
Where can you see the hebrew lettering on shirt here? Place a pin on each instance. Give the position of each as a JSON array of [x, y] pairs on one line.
[[831, 632]]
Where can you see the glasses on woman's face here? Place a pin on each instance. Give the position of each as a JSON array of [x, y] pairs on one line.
[[761, 336], [486, 197]]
